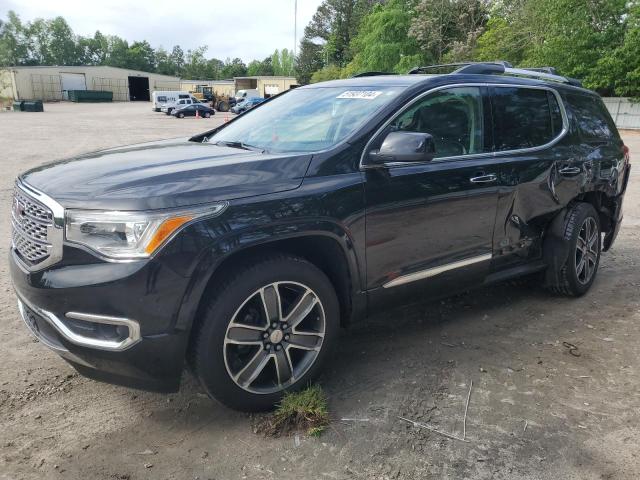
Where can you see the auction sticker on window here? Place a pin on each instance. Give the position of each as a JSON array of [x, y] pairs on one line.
[[360, 94]]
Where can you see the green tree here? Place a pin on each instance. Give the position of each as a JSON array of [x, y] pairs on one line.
[[177, 59], [383, 43], [141, 56], [234, 68], [572, 35], [14, 49], [282, 62], [196, 64], [330, 72], [93, 50], [118, 52], [618, 71], [447, 30], [310, 59], [63, 48]]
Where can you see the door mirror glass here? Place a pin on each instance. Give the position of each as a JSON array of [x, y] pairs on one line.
[[405, 147]]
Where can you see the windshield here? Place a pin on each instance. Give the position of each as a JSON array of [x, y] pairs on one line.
[[306, 120]]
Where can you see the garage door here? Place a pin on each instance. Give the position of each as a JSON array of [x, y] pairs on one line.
[[73, 81]]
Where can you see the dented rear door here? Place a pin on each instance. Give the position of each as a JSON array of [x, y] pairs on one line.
[[540, 168]]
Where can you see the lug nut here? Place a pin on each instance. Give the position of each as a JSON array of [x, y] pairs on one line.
[[267, 346], [278, 347], [274, 325], [285, 325], [286, 337], [265, 335]]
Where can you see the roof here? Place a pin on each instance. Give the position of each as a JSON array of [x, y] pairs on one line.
[[266, 77], [188, 80], [80, 67], [440, 80], [377, 80]]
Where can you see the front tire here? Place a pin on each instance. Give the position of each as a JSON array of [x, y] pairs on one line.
[[582, 234], [266, 331]]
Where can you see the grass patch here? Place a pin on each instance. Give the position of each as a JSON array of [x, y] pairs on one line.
[[306, 410]]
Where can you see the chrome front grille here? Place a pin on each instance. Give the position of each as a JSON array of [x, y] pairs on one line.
[[36, 239]]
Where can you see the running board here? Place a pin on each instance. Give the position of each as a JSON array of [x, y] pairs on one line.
[[515, 272]]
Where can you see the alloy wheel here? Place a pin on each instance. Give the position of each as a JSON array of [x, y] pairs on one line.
[[274, 337], [587, 249]]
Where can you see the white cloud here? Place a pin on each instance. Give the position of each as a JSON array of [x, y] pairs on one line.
[[249, 29]]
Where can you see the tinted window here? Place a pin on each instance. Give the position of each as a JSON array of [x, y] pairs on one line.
[[593, 119], [162, 98], [524, 118], [183, 96], [454, 117]]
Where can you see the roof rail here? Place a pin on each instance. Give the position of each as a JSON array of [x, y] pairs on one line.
[[500, 67], [460, 67], [371, 74]]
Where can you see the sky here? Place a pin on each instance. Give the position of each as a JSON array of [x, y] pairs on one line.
[[248, 29]]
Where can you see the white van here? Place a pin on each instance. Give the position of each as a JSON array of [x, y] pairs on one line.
[[161, 97], [242, 95]]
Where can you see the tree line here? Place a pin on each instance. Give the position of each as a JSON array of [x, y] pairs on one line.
[[597, 41], [53, 42]]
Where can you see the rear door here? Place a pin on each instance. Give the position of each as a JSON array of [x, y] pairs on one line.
[[539, 169], [430, 225]]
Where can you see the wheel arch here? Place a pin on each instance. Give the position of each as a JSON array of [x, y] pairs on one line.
[[321, 248]]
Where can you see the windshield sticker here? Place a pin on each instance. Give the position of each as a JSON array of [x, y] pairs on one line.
[[360, 94]]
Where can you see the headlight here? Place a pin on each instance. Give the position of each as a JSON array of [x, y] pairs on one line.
[[129, 235]]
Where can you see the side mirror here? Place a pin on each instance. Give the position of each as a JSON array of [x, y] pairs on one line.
[[405, 147]]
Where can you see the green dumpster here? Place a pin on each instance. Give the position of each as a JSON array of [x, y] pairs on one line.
[[86, 96], [33, 106]]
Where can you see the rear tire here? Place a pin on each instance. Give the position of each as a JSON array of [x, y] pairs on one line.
[[207, 114], [582, 233], [266, 331], [223, 106], [180, 115]]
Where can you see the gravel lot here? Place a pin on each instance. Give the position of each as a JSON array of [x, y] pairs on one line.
[[536, 412]]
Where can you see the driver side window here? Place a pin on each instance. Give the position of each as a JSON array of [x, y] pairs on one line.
[[453, 117]]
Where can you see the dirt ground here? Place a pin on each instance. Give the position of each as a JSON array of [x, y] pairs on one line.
[[535, 412]]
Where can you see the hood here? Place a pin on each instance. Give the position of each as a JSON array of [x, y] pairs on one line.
[[166, 174]]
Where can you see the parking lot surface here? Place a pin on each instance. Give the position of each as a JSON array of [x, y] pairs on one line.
[[535, 412]]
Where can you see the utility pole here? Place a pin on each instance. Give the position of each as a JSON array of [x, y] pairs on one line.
[[295, 28]]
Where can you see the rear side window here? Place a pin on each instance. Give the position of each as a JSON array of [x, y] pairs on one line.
[[594, 121], [183, 96], [524, 118]]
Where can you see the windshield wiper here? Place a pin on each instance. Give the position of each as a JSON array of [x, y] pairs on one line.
[[237, 144]]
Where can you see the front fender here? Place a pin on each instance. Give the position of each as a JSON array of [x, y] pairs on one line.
[[337, 215]]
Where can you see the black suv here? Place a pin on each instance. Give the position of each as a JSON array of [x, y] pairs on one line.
[[243, 250]]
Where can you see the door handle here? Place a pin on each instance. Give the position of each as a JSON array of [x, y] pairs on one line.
[[484, 178], [570, 171]]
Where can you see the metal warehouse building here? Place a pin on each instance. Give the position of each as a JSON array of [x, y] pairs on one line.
[[52, 83]]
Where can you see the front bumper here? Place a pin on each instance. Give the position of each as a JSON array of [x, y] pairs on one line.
[[65, 307]]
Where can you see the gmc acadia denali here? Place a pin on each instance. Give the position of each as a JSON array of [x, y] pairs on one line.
[[241, 251]]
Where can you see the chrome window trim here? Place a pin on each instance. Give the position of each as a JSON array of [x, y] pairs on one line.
[[108, 345], [432, 272], [55, 232], [565, 127]]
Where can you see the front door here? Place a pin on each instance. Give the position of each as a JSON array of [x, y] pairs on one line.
[[429, 225]]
